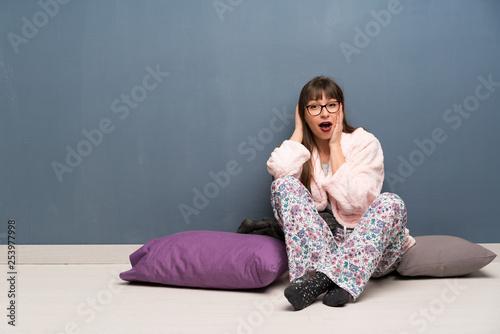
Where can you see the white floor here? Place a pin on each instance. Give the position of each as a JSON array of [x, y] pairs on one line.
[[91, 298]]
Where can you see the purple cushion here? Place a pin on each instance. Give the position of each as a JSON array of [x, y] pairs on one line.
[[209, 259]]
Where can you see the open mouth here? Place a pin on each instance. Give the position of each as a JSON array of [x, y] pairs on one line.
[[325, 126]]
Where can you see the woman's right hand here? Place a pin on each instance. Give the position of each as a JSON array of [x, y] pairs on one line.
[[297, 133]]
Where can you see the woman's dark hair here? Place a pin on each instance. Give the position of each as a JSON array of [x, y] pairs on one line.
[[314, 90]]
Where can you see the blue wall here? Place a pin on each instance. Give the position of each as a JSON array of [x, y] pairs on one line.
[[123, 121]]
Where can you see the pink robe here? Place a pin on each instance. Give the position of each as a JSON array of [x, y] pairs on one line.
[[352, 188]]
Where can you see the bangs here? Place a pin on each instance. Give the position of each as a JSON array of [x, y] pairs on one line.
[[323, 86]]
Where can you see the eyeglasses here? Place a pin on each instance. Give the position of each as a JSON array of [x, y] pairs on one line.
[[316, 109]]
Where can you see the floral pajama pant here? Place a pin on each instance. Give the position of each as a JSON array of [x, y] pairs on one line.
[[373, 248]]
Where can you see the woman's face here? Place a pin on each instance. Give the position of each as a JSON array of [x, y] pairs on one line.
[[322, 125]]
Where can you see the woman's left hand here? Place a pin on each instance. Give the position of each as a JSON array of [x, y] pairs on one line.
[[337, 128]]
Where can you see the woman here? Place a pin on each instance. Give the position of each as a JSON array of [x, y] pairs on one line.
[[327, 165]]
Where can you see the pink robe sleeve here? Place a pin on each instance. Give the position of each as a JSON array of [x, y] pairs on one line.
[[359, 180], [287, 160]]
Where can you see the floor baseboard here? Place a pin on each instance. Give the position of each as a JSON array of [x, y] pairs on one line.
[[70, 254]]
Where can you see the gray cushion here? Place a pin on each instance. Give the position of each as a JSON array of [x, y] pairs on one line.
[[443, 256]]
